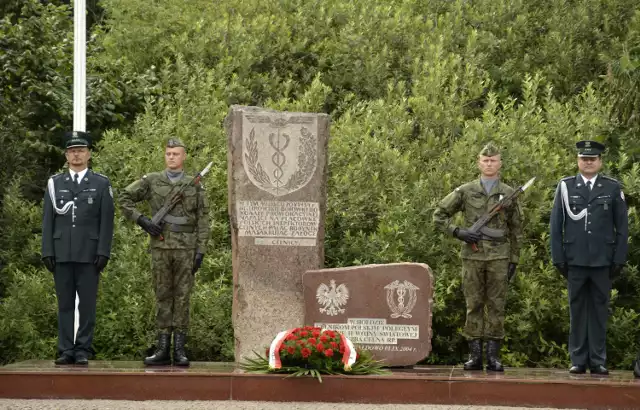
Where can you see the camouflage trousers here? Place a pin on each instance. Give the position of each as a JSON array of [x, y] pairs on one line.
[[485, 287], [172, 282]]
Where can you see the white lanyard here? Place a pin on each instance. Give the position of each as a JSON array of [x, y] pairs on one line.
[[565, 202]]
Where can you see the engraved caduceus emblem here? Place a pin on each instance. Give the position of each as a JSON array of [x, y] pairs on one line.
[[279, 153], [401, 298]]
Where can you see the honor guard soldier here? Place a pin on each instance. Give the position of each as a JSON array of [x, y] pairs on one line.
[[487, 265], [77, 230], [589, 229], [178, 243]]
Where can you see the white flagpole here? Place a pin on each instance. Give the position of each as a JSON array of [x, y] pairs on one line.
[[79, 90]]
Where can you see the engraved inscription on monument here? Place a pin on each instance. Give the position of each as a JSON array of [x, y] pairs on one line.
[[373, 331], [279, 152], [283, 223]]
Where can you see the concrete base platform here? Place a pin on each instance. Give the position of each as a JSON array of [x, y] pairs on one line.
[[554, 388]]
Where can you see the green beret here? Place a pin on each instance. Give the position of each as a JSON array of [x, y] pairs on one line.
[[588, 148], [489, 150], [174, 143]]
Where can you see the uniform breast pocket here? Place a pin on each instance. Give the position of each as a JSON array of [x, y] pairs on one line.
[[190, 200], [604, 203], [477, 201], [577, 204]]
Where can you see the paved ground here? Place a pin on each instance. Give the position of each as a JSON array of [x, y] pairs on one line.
[[226, 405]]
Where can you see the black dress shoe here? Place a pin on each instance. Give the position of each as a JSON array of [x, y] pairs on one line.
[[599, 369], [578, 369], [82, 360], [64, 359]]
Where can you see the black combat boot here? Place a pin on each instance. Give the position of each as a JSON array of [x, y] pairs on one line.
[[179, 355], [493, 361], [161, 356], [475, 355]]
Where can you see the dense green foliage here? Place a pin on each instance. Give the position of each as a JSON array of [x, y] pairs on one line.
[[414, 89]]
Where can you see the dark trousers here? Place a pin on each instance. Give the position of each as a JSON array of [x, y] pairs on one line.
[[589, 294], [70, 278]]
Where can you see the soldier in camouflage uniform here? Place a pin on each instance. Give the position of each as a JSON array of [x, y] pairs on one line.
[[177, 247], [487, 270]]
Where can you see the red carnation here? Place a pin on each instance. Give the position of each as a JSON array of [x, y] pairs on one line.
[[282, 348], [331, 333], [316, 333], [312, 341], [291, 349], [323, 339], [291, 337], [304, 333], [328, 352], [305, 352], [320, 347], [334, 345], [299, 341]]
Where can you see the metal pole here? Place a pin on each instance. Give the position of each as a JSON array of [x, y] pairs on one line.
[[79, 90]]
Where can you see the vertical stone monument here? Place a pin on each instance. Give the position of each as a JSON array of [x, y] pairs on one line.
[[277, 171]]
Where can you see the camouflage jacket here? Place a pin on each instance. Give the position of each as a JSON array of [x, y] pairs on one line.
[[155, 188], [472, 200]]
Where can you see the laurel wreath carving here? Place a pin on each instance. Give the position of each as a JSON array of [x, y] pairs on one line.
[[306, 162], [251, 158]]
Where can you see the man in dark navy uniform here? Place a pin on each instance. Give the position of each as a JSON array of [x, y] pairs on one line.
[[77, 229], [589, 229]]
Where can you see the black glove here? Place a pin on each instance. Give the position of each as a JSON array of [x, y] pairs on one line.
[[615, 271], [468, 237], [146, 224], [511, 271], [197, 262], [101, 262], [49, 263], [563, 268]]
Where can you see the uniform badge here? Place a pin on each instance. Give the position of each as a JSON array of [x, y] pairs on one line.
[[90, 200]]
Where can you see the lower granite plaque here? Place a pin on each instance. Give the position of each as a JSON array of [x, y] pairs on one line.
[[385, 309]]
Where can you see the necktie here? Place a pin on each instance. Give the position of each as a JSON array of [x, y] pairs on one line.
[[589, 185], [75, 178]]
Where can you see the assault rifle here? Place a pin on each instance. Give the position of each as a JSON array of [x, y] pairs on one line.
[[173, 199], [495, 234]]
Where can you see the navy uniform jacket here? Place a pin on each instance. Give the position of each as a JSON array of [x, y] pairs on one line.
[[602, 241], [91, 232]]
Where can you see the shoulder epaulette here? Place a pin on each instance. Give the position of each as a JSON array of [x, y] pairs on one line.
[[568, 178], [100, 175], [609, 178], [54, 176]]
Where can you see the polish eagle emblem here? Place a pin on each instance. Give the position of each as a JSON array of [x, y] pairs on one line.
[[332, 298]]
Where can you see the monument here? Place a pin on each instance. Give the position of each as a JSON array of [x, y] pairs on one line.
[[277, 171], [385, 309]]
